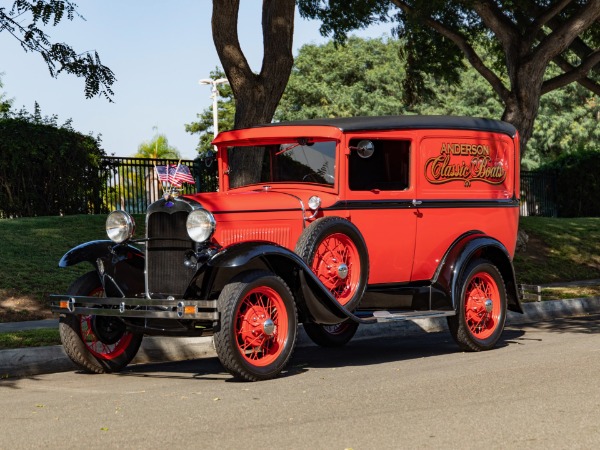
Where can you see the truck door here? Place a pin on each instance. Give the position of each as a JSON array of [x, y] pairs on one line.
[[379, 194]]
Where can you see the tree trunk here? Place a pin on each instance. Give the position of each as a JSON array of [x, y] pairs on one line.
[[256, 95]]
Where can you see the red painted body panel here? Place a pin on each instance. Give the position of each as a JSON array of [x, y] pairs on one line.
[[457, 181]]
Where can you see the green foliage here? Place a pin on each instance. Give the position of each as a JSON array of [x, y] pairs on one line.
[[363, 77], [46, 169], [157, 148], [358, 78], [25, 21], [567, 122], [577, 183], [5, 104], [225, 111], [510, 44]]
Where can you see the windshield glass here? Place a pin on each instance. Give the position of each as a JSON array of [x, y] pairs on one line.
[[290, 162]]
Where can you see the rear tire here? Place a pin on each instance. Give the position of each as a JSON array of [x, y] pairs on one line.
[[96, 344], [479, 320]]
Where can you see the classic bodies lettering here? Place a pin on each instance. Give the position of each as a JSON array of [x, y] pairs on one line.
[[479, 167]]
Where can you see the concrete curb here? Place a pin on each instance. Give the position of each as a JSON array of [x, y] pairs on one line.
[[39, 360]]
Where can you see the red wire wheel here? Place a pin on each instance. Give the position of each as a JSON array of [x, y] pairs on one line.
[[97, 344], [337, 254], [480, 316], [337, 264], [482, 305], [261, 326], [96, 347], [258, 327]]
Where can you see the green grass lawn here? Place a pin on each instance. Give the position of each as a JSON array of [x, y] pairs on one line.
[[30, 250], [558, 250]]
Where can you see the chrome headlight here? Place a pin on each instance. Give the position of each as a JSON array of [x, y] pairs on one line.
[[200, 225], [119, 226]]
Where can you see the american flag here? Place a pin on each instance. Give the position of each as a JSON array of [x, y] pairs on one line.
[[174, 174], [180, 174], [161, 173]]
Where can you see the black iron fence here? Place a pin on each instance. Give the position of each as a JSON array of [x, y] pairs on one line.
[[538, 194], [132, 183]]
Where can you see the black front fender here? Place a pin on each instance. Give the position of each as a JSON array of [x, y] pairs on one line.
[[91, 251], [314, 301], [120, 266]]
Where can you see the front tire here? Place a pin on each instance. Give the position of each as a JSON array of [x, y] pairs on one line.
[[481, 313], [258, 326], [96, 344]]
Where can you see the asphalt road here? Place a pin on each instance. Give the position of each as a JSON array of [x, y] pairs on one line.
[[539, 389]]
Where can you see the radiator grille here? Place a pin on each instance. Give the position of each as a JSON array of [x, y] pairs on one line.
[[167, 245], [279, 235]]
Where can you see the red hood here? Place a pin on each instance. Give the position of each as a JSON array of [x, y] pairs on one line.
[[260, 200]]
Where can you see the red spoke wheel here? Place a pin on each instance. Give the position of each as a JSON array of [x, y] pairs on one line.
[[258, 326], [96, 344], [337, 264], [337, 254], [481, 314]]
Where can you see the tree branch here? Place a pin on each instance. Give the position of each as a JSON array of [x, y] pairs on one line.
[[461, 42], [572, 74], [564, 34], [546, 16], [503, 28], [225, 37]]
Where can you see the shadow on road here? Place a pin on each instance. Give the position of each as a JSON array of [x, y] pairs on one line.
[[357, 353]]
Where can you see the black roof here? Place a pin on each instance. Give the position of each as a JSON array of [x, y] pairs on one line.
[[407, 122]]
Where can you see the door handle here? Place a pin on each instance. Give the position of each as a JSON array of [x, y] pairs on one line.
[[416, 202]]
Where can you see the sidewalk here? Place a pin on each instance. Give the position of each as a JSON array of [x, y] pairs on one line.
[[38, 360]]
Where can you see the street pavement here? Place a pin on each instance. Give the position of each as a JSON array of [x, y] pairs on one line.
[[39, 360]]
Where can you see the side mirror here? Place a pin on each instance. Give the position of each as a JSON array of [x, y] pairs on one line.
[[364, 148]]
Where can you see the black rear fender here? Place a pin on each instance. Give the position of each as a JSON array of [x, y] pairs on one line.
[[466, 248]]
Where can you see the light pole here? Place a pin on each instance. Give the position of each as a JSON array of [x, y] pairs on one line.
[[214, 96]]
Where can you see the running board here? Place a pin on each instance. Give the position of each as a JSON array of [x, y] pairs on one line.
[[398, 316]]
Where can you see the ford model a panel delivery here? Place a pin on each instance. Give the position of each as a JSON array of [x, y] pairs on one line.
[[331, 223]]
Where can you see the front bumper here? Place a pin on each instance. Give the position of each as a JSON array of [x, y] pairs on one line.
[[179, 309]]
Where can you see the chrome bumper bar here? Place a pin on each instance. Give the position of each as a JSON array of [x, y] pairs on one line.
[[135, 307]]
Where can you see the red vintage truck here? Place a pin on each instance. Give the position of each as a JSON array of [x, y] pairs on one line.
[[332, 223]]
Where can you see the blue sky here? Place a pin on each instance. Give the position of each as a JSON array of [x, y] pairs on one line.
[[158, 52]]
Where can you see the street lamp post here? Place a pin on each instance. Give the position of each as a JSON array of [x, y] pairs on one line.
[[214, 96]]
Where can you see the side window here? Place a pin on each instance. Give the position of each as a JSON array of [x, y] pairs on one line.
[[386, 169]]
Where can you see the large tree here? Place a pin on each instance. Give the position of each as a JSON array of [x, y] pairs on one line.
[[26, 20], [256, 94], [359, 78], [526, 36], [363, 77]]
